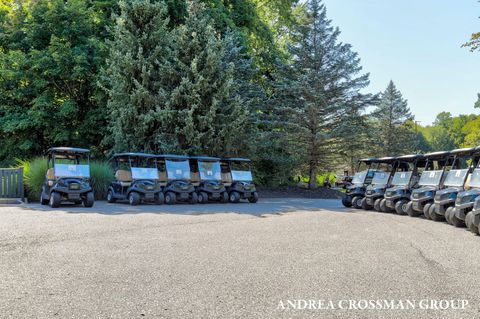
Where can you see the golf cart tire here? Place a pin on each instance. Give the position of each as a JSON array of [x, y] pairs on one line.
[[346, 202], [160, 199], [399, 207], [224, 197], [170, 198], [234, 197], [376, 204], [469, 223], [455, 221], [134, 198], [194, 198], [55, 200], [43, 201], [356, 202], [110, 198], [448, 214], [364, 205], [254, 198], [383, 205], [410, 211], [426, 210], [434, 216], [202, 198], [89, 200]]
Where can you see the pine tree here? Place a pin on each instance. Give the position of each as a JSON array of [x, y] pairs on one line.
[[392, 115], [319, 89], [137, 76]]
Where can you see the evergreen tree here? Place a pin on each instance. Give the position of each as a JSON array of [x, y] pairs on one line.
[[319, 89], [392, 115]]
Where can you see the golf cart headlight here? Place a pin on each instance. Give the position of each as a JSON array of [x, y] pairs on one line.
[[453, 196], [399, 191], [50, 183], [429, 194]]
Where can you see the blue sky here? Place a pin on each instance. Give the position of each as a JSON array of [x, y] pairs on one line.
[[417, 44]]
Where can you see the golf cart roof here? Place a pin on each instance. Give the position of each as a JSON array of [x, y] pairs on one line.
[[133, 155], [236, 159], [172, 156], [205, 158], [410, 157], [388, 159], [368, 160], [437, 154], [464, 151], [67, 150]]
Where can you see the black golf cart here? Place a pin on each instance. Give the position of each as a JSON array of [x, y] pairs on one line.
[[360, 181], [136, 179], [464, 161], [385, 168], [238, 180], [176, 178], [406, 178], [430, 182], [67, 177], [207, 179]]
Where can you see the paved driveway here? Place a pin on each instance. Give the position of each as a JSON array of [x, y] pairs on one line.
[[231, 261]]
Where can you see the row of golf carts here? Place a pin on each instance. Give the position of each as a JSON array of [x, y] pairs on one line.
[[440, 185], [141, 177]]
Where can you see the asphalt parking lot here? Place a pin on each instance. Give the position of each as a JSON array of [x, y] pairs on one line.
[[229, 261]]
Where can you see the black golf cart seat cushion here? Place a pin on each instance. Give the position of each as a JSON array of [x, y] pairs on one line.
[[227, 179], [124, 177], [162, 178], [50, 174], [195, 178]]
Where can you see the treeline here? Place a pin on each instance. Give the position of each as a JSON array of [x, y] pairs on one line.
[[265, 79]]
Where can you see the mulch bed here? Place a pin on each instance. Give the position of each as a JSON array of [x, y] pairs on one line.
[[297, 192]]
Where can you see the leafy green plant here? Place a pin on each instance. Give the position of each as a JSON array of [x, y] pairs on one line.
[[101, 174]]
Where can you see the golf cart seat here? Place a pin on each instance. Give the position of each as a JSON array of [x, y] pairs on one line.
[[162, 178], [50, 174], [124, 177], [195, 177], [226, 179]]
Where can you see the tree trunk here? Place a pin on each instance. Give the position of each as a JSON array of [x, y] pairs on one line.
[[312, 182]]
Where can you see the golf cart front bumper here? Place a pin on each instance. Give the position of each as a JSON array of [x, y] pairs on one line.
[[445, 198], [393, 195], [371, 195], [71, 194], [465, 202]]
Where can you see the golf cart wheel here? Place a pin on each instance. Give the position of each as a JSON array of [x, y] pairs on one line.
[[160, 199], [401, 207], [376, 204], [55, 200], [426, 210], [194, 198], [224, 197], [448, 214], [356, 202], [134, 198], [364, 205], [345, 202], [43, 201], [470, 224], [455, 221], [410, 211], [234, 197], [202, 198], [170, 198], [89, 200], [110, 197], [433, 214], [383, 205], [254, 198]]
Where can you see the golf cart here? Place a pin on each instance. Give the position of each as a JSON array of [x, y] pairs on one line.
[[207, 179], [136, 179], [464, 161], [360, 181], [430, 182], [385, 169], [67, 177], [406, 178], [237, 178], [176, 179]]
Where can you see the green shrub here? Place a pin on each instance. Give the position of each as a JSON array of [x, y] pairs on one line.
[[101, 174]]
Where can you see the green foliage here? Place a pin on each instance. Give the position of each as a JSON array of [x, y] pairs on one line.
[[101, 175]]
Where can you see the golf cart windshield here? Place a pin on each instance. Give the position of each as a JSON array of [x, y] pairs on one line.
[[177, 169], [243, 176], [431, 178], [380, 178], [359, 178], [209, 170], [401, 178], [144, 173], [72, 170], [475, 179], [456, 177]]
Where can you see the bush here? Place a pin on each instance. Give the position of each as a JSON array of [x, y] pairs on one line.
[[101, 174]]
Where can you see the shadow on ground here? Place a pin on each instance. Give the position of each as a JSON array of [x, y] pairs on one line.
[[263, 207]]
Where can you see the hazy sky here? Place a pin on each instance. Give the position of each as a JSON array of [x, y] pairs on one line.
[[417, 44]]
